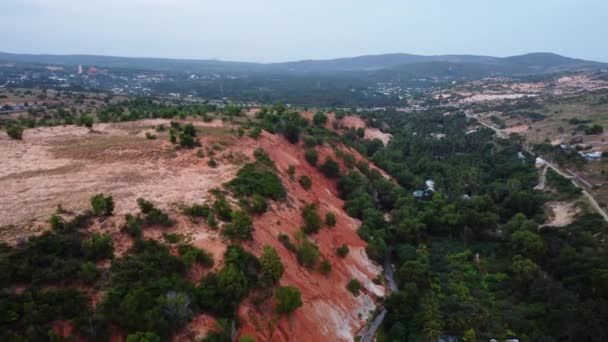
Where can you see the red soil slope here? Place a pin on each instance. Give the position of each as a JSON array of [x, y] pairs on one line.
[[329, 312]]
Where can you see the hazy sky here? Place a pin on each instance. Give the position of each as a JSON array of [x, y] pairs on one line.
[[280, 30]]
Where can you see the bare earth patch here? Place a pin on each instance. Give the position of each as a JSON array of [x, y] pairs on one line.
[[563, 213], [67, 165]]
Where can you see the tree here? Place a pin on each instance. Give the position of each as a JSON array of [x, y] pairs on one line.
[[319, 119], [98, 247], [431, 317], [102, 205], [524, 270], [271, 267], [527, 243], [325, 267], [342, 251], [305, 182], [330, 168], [147, 336], [14, 132], [311, 156], [308, 254], [354, 286], [240, 227], [288, 299], [330, 219], [312, 221]]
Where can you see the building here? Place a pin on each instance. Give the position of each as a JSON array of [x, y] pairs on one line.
[[592, 156], [540, 162]]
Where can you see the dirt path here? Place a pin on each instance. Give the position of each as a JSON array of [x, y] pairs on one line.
[[500, 133]]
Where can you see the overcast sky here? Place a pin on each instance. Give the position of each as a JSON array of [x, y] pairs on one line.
[[281, 30]]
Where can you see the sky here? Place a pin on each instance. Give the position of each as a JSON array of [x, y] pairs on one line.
[[285, 30]]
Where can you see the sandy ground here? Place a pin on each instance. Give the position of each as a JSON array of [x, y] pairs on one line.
[[562, 213], [67, 165], [516, 129]]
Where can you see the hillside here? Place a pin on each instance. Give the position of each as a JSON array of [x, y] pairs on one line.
[[120, 160]]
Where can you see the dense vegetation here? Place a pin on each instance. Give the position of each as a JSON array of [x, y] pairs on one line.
[[470, 259]]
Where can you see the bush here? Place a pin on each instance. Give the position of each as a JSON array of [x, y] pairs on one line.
[[133, 225], [342, 251], [312, 221], [102, 205], [211, 221], [197, 210], [255, 179], [255, 133], [98, 247], [286, 242], [595, 129], [330, 219], [305, 182], [288, 299], [308, 254], [311, 156], [153, 215], [147, 336], [354, 286], [191, 254], [319, 119], [325, 267], [258, 204], [291, 172], [271, 267], [240, 228], [14, 132], [150, 136], [222, 209], [330, 168]]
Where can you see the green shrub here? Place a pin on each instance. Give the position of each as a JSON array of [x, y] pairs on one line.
[[98, 247], [222, 209], [147, 336], [342, 251], [271, 267], [308, 254], [190, 254], [258, 204], [240, 228], [291, 172], [312, 221], [153, 215], [286, 242], [197, 210], [330, 168], [150, 136], [325, 267], [255, 132], [311, 156], [254, 179], [354, 286], [102, 205], [133, 225], [288, 299], [14, 132], [319, 119], [330, 219], [211, 221], [305, 182]]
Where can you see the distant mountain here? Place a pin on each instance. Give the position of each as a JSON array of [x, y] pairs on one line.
[[375, 62], [407, 64]]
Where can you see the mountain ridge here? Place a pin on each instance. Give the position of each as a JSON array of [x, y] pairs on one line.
[[540, 61]]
